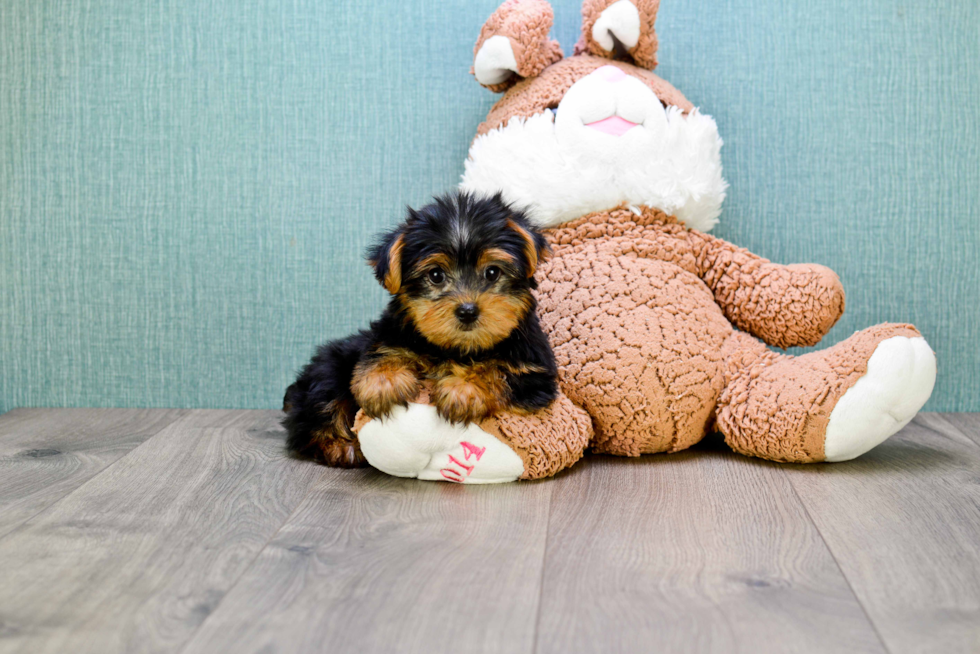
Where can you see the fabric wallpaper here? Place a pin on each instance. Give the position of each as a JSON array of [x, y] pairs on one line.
[[187, 186]]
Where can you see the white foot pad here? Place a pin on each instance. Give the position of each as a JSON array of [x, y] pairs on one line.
[[416, 442], [900, 377]]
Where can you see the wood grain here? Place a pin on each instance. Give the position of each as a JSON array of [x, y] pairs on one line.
[[197, 534], [701, 551], [903, 521], [47, 453], [371, 563], [138, 557], [958, 425]]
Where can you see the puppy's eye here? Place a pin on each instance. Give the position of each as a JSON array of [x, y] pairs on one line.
[[436, 276], [492, 273]]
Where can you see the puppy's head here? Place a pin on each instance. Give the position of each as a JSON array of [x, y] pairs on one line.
[[463, 269]]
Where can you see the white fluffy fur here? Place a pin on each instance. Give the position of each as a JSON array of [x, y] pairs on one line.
[[559, 169]]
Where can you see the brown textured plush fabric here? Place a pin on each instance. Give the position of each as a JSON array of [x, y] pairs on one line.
[[526, 24], [644, 53], [532, 96], [786, 306], [638, 307], [778, 406], [637, 334], [548, 441]]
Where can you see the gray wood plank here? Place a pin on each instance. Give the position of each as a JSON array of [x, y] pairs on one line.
[[903, 521], [371, 563], [47, 453], [700, 551], [965, 424], [135, 559]]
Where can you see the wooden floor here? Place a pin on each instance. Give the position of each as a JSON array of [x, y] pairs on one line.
[[191, 531]]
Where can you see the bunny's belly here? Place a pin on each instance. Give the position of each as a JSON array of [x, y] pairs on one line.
[[639, 347]]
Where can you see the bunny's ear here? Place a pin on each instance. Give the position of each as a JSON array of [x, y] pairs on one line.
[[514, 44], [620, 29]]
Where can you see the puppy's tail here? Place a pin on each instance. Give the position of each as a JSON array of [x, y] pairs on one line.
[[320, 406]]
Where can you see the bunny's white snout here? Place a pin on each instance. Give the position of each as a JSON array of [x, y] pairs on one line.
[[612, 113]]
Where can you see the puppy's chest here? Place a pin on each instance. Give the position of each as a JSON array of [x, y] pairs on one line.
[[469, 369]]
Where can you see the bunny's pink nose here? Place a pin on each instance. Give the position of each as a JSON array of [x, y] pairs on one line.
[[611, 73]]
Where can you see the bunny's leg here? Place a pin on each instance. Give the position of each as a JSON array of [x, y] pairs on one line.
[[416, 442], [831, 405]]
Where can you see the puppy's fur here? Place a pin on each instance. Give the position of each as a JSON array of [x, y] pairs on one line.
[[460, 271]]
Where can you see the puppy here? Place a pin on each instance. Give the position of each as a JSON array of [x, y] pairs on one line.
[[461, 317]]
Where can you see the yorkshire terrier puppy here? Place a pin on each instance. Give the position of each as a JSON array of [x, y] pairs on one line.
[[461, 317]]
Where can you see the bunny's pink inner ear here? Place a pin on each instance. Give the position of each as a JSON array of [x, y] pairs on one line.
[[620, 29], [514, 44]]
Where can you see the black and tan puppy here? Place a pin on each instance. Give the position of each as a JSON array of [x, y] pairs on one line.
[[460, 271]]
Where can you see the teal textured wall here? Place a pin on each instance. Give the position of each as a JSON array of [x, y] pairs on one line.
[[186, 186]]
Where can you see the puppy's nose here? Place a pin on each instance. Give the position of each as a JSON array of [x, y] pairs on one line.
[[467, 313]]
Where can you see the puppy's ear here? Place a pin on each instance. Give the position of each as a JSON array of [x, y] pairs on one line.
[[536, 248], [385, 257]]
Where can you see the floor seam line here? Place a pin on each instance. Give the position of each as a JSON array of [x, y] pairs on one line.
[[956, 428], [830, 550], [544, 563], [95, 476]]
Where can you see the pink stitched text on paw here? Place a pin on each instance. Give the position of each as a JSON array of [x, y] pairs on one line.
[[469, 449]]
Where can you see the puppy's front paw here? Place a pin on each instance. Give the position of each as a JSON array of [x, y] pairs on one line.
[[461, 400], [381, 384]]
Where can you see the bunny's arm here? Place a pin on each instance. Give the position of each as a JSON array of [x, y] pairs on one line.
[[785, 306]]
